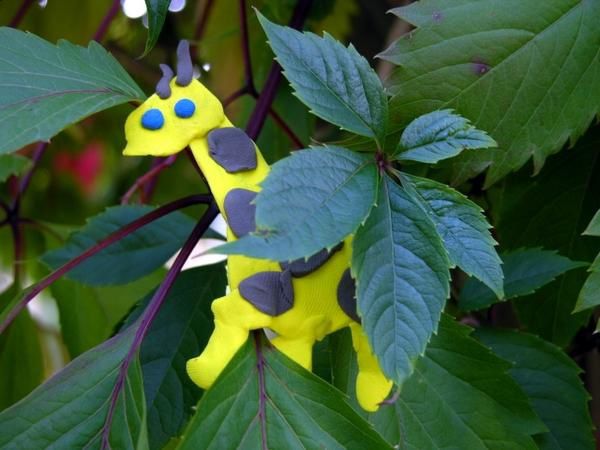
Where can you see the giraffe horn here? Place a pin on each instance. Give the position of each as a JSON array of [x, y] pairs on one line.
[[185, 68], [163, 89]]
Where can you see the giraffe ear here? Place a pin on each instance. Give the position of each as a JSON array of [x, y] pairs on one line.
[[163, 88], [185, 68]]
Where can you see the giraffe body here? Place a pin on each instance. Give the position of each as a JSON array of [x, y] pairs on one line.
[[300, 301]]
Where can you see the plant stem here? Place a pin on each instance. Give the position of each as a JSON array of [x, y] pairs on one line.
[[158, 166], [159, 212], [267, 95], [149, 314], [203, 19], [20, 14], [42, 227], [286, 129], [248, 72], [107, 20], [18, 244], [25, 181]]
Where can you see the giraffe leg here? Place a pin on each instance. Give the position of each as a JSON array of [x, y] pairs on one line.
[[372, 387], [234, 318], [299, 350]]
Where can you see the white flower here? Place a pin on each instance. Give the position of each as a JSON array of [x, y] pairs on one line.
[[135, 9]]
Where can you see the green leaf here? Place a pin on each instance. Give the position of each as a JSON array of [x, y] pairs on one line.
[[21, 360], [336, 82], [529, 76], [90, 315], [157, 13], [179, 332], [402, 277], [589, 296], [462, 227], [331, 190], [460, 396], [68, 411], [439, 135], [525, 271], [136, 255], [12, 165], [593, 228], [551, 381], [45, 88], [551, 211], [264, 400]]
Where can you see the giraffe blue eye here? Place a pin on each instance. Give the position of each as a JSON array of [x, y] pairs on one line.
[[153, 119], [184, 108]]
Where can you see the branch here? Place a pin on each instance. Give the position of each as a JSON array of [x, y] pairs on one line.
[[19, 251], [248, 72], [150, 313], [201, 26], [107, 20], [25, 181], [160, 165], [42, 227], [20, 14], [286, 129], [11, 312], [267, 95]]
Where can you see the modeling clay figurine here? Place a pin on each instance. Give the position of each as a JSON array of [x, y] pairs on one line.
[[301, 301]]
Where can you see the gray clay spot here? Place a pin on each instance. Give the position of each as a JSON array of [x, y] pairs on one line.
[[269, 292], [301, 267], [240, 211], [346, 294], [232, 149]]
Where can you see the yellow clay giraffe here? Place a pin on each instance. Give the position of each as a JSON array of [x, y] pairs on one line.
[[300, 301]]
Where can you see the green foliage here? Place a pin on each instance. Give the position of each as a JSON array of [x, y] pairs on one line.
[[157, 13], [12, 165], [179, 333], [439, 135], [278, 404], [462, 227], [525, 271], [44, 88], [551, 211], [402, 284], [460, 395], [530, 75], [332, 190], [336, 82], [76, 398], [593, 229], [131, 258], [551, 381], [20, 375], [590, 292]]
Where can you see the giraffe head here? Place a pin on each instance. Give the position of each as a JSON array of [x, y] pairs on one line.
[[181, 111]]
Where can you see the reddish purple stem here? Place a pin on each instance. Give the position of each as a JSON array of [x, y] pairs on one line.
[[107, 20], [249, 79], [25, 181], [158, 165], [110, 239], [20, 14], [267, 96], [149, 314]]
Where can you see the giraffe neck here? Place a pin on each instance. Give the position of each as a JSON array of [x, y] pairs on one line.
[[220, 180]]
